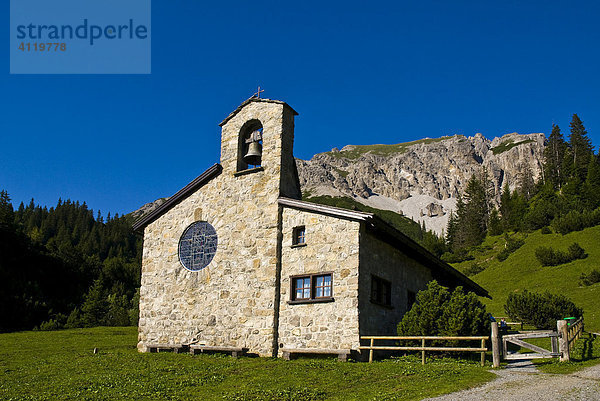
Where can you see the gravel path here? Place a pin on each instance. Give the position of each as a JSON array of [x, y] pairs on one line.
[[523, 381]]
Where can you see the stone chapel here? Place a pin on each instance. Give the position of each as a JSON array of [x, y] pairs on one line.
[[236, 258]]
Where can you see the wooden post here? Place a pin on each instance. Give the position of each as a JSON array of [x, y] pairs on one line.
[[482, 352], [554, 342], [423, 352], [563, 340], [495, 346], [371, 351]]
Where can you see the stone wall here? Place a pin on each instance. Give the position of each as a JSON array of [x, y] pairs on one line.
[[231, 301], [331, 246], [241, 298], [405, 274]]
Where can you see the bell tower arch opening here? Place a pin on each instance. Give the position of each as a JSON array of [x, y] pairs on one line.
[[250, 145]]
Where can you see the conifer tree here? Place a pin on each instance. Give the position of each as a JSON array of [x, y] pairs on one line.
[[95, 306], [495, 223], [477, 209], [7, 217], [470, 224], [451, 227], [581, 148], [59, 260], [505, 206], [455, 235], [526, 182], [554, 156], [591, 186]]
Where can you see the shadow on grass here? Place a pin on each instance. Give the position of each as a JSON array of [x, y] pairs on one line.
[[588, 348], [585, 353]]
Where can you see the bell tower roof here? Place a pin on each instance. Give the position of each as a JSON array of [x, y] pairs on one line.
[[252, 100]]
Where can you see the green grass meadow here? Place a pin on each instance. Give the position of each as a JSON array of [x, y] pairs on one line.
[[61, 365], [586, 352], [522, 271]]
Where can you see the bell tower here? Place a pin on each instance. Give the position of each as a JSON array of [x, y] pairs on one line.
[[257, 141]]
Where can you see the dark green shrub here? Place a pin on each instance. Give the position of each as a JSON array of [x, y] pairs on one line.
[[503, 255], [50, 325], [495, 226], [576, 221], [56, 322], [546, 230], [549, 257], [512, 244], [74, 319], [473, 269], [118, 311], [541, 212], [540, 310], [460, 255], [592, 277], [438, 311], [576, 251]]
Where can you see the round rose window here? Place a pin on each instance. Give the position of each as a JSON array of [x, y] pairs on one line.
[[197, 246]]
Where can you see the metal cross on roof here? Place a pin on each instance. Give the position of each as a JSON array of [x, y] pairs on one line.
[[257, 94]]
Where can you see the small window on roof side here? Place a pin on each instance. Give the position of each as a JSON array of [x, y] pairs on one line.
[[381, 291]]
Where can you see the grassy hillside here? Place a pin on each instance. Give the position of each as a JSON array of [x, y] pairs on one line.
[[359, 150], [407, 226], [508, 145], [61, 365], [404, 224], [521, 270]]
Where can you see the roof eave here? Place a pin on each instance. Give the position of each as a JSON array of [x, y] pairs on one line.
[[325, 209], [387, 230]]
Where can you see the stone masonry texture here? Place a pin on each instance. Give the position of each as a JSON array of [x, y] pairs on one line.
[[242, 298]]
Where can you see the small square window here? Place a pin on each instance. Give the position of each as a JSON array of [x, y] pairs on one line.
[[299, 236], [312, 288], [323, 286], [381, 291], [302, 288]]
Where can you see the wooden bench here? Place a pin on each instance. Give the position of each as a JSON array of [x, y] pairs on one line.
[[175, 348], [234, 351], [342, 354]]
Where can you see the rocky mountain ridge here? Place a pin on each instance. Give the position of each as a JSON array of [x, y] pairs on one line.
[[421, 179], [147, 208]]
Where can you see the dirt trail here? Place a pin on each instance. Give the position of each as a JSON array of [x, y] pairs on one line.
[[523, 382]]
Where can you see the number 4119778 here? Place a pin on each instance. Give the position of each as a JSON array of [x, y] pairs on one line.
[[42, 47]]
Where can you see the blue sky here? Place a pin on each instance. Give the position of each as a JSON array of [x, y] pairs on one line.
[[357, 72]]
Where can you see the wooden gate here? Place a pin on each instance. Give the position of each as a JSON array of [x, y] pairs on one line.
[[538, 352], [562, 340]]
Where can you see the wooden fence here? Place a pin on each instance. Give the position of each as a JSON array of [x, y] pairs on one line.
[[574, 331], [562, 341], [423, 348]]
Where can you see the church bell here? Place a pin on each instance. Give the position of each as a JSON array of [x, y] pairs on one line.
[[254, 155]]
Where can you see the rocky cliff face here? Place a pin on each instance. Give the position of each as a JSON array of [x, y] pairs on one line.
[[421, 179], [147, 208]]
